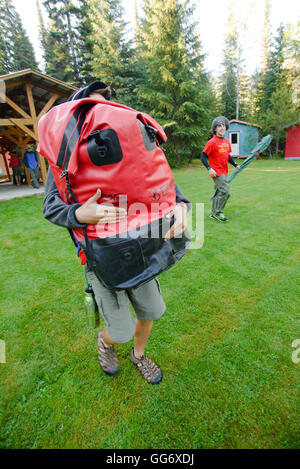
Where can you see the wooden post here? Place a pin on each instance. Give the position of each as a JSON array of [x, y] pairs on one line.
[[32, 108], [43, 167]]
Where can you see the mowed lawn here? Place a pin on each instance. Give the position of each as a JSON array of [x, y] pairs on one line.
[[224, 343]]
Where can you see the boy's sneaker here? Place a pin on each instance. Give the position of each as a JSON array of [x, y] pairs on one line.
[[107, 356], [150, 371], [219, 216]]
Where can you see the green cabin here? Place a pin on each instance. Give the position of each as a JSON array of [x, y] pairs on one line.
[[243, 137]]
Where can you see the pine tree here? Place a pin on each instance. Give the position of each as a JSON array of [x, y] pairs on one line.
[[85, 45], [266, 37], [60, 42], [292, 61], [229, 79], [245, 108], [6, 58], [254, 96], [280, 113], [16, 50], [176, 90], [274, 74], [113, 58]]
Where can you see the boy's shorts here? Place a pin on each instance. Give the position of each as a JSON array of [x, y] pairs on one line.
[[115, 309], [16, 171]]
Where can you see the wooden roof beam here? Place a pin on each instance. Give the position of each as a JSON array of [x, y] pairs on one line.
[[10, 138], [30, 101], [7, 122], [25, 129], [48, 105], [13, 84], [13, 105]]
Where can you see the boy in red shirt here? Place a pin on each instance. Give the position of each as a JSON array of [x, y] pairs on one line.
[[215, 157], [15, 165]]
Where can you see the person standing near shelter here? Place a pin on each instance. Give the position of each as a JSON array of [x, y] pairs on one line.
[[32, 163], [14, 163], [114, 305], [215, 157]]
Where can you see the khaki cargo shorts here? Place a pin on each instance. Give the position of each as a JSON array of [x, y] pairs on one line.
[[115, 306]]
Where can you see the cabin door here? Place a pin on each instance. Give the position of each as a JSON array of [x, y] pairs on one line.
[[234, 138]]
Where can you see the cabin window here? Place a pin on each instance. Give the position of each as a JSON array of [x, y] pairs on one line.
[[234, 138]]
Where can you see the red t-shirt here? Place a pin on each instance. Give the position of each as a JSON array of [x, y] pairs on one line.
[[14, 161], [217, 150]]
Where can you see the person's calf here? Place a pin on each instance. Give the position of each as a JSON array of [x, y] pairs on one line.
[[106, 337], [141, 335]]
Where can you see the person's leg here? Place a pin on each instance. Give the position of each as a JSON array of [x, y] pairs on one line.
[[141, 336], [34, 180], [149, 305], [16, 173], [214, 207], [106, 337], [120, 324], [37, 175], [223, 193], [18, 176]]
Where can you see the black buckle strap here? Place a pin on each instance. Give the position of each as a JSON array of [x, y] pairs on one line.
[[71, 195]]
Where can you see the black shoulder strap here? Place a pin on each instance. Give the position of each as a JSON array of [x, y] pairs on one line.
[[72, 134], [71, 196]]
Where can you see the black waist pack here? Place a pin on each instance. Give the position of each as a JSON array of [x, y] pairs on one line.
[[128, 261]]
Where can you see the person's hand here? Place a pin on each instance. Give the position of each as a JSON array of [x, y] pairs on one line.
[[180, 223], [212, 173], [238, 166], [93, 213]]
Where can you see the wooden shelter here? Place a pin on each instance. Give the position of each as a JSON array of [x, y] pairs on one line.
[[25, 97]]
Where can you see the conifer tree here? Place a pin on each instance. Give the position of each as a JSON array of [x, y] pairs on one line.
[[16, 50], [176, 90], [60, 42], [85, 45], [5, 52], [229, 79], [280, 113], [274, 74], [112, 58], [292, 61], [266, 37]]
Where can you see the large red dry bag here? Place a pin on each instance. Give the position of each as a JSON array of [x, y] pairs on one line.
[[93, 144]]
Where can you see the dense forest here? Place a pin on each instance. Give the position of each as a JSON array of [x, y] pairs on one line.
[[161, 69]]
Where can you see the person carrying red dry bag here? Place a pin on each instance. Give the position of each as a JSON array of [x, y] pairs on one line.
[[91, 144]]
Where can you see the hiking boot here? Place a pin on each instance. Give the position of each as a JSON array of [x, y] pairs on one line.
[[150, 371], [219, 216], [107, 356]]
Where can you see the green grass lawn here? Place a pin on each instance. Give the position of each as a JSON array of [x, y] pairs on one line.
[[224, 343]]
